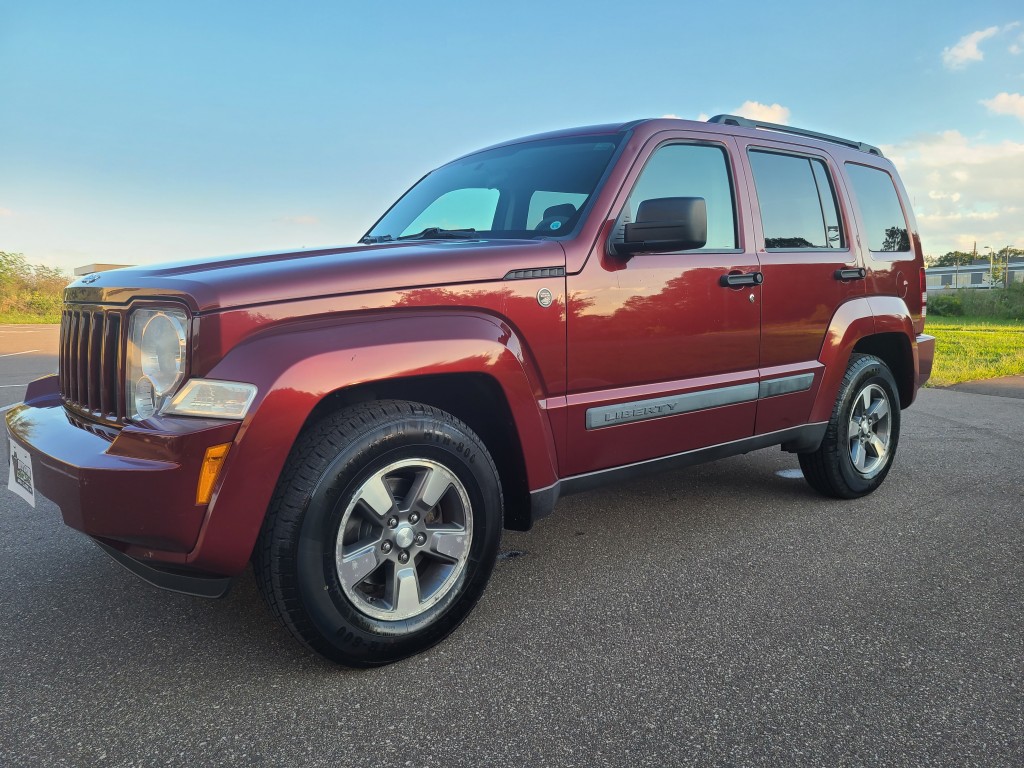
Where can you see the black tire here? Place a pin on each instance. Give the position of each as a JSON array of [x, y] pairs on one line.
[[832, 470], [298, 558]]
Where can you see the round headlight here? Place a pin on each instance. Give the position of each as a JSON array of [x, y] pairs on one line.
[[162, 351], [157, 344]]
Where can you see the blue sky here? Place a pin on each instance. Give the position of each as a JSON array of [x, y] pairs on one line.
[[136, 132]]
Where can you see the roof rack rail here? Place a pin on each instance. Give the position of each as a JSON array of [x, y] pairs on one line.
[[743, 122]]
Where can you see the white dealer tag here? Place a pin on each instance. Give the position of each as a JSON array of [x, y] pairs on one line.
[[20, 479]]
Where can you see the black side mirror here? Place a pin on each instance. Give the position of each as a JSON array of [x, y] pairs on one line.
[[666, 224]]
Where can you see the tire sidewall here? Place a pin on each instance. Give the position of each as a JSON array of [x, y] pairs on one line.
[[867, 370], [359, 638]]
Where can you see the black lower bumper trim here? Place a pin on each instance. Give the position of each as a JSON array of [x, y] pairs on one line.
[[173, 581]]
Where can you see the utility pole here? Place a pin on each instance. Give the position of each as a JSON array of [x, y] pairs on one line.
[[974, 254]]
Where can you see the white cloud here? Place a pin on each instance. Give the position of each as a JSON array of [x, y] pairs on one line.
[[1006, 104], [770, 113], [701, 117], [958, 216], [967, 50], [6, 212], [963, 190], [1017, 46]]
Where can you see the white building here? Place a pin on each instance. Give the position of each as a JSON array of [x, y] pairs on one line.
[[976, 275]]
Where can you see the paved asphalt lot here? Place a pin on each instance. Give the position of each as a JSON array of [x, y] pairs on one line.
[[722, 615]]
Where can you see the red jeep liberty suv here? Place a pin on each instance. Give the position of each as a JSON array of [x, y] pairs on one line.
[[530, 320]]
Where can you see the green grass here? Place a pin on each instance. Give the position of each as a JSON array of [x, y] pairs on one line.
[[969, 348], [19, 318]]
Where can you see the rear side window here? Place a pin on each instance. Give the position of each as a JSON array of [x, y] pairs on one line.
[[692, 170], [884, 224], [797, 200]]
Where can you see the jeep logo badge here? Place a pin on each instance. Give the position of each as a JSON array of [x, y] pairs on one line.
[[544, 297]]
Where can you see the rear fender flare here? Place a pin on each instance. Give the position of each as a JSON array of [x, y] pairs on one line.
[[853, 321]]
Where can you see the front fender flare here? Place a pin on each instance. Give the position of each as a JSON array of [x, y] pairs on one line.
[[295, 367]]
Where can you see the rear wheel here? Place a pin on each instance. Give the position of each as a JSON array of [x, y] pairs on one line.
[[382, 534], [860, 441]]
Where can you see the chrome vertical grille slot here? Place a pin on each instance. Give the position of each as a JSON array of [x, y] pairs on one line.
[[90, 372]]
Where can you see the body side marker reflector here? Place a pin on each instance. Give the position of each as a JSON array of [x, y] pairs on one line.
[[210, 471]]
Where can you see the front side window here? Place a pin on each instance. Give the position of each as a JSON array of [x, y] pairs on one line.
[[884, 223], [529, 190], [797, 200], [692, 170]]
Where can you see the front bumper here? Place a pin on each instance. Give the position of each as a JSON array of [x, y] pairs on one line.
[[134, 488]]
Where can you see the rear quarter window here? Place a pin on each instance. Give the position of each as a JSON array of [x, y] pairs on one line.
[[885, 227]]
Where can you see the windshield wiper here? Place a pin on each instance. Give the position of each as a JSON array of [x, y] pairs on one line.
[[371, 239], [432, 233]]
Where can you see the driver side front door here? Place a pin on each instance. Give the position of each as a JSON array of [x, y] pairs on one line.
[[662, 353]]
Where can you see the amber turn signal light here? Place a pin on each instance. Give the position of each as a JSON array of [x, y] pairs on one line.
[[210, 471]]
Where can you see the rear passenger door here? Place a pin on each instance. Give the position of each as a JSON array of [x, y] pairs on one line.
[[802, 228]]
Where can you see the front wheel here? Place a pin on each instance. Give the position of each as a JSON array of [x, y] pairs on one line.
[[860, 441], [382, 534]]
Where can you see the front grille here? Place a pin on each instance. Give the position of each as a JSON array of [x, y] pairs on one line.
[[91, 361]]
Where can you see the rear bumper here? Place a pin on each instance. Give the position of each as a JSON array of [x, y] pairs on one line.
[[134, 489], [925, 358]]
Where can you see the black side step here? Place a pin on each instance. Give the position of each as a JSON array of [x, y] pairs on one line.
[[793, 440]]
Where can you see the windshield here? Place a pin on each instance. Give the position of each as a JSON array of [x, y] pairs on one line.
[[534, 189]]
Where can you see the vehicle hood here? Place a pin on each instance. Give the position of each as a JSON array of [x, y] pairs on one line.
[[253, 279]]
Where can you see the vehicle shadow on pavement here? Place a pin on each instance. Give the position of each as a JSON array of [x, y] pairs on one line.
[[90, 608]]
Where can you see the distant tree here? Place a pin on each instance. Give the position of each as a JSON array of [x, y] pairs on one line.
[[29, 288], [1000, 260], [12, 266], [997, 269], [950, 259], [14, 273]]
